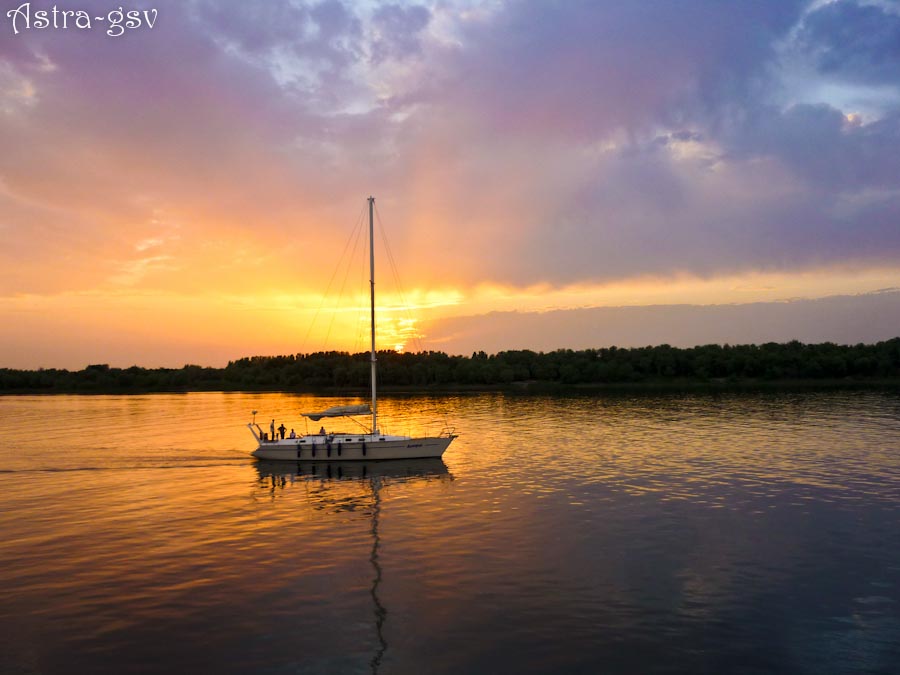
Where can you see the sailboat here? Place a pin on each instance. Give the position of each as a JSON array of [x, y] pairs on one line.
[[338, 446]]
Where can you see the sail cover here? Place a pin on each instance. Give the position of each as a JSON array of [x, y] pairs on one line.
[[339, 411]]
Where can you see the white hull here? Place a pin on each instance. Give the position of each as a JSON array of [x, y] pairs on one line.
[[351, 447]]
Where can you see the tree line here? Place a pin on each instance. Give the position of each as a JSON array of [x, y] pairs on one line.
[[662, 365]]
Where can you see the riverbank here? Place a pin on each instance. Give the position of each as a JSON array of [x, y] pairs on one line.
[[661, 367]]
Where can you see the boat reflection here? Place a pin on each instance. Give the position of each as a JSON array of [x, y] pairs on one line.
[[365, 480], [426, 468]]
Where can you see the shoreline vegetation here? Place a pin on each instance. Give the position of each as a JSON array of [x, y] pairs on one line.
[[713, 367]]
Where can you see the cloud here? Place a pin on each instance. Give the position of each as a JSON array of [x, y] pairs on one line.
[[588, 141], [822, 145], [166, 121], [133, 271], [579, 69], [859, 42], [864, 318], [524, 143], [399, 31]]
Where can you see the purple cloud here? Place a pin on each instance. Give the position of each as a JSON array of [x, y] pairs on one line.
[[623, 139], [859, 42], [567, 142], [582, 68], [399, 31], [865, 318], [822, 145]]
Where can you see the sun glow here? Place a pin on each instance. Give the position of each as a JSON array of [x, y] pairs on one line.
[[163, 328], [345, 323]]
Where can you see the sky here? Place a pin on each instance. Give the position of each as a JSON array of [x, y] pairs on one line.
[[192, 192]]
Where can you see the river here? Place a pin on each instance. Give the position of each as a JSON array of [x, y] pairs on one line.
[[676, 533]]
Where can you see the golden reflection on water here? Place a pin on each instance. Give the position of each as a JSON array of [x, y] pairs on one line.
[[138, 530]]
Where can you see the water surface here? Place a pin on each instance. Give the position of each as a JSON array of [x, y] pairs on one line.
[[747, 533]]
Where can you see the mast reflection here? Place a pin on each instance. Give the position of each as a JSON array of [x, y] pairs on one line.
[[373, 475], [380, 611]]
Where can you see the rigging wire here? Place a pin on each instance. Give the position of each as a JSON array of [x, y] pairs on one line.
[[414, 336], [354, 232], [358, 235], [362, 331], [352, 244]]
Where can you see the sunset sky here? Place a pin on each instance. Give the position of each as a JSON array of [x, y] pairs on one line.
[[183, 193]]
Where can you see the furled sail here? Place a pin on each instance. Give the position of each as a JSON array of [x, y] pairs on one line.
[[339, 411]]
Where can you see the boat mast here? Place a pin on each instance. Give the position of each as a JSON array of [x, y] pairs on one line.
[[372, 293]]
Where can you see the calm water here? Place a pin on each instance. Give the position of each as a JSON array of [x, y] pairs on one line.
[[649, 534]]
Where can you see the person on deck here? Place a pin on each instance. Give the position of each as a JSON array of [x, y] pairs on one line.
[[293, 434], [322, 431], [281, 430], [272, 430]]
